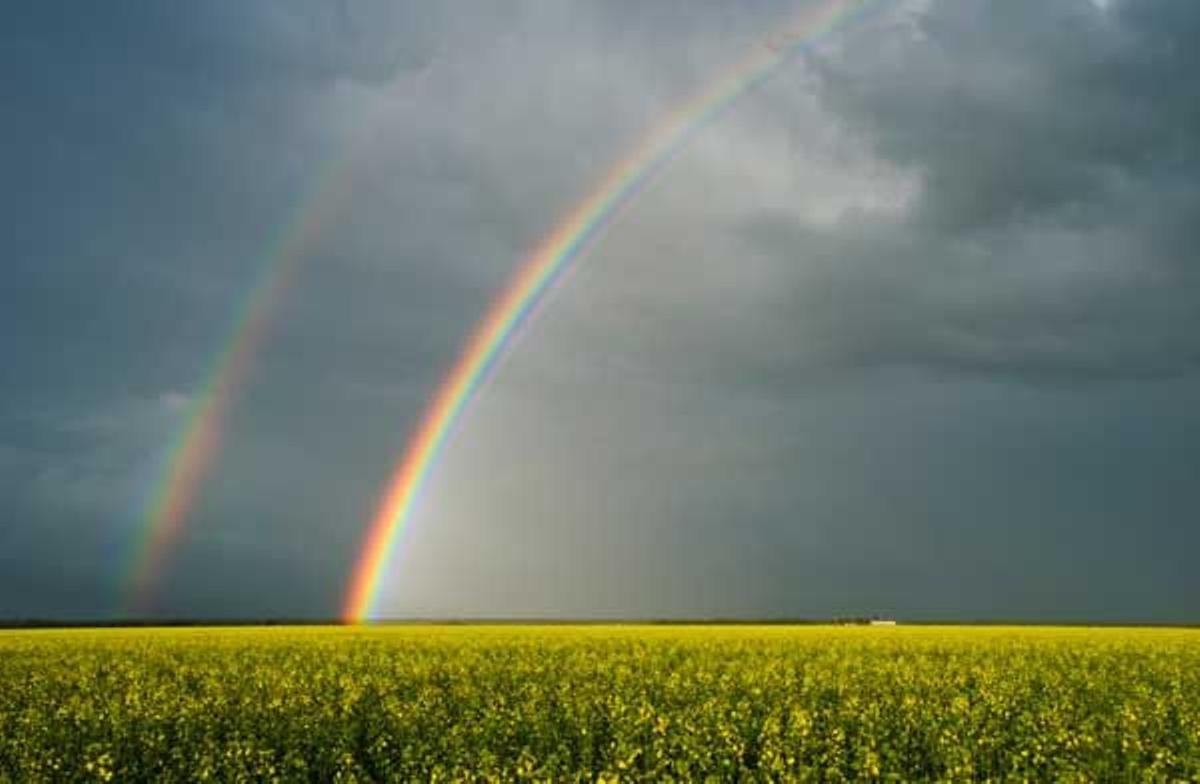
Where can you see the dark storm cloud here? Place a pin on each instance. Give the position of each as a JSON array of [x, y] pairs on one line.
[[367, 40], [151, 156], [143, 145], [829, 362]]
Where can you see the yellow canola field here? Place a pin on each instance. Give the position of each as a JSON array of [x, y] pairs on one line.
[[416, 703]]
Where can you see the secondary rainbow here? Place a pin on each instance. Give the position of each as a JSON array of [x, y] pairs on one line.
[[190, 456], [538, 272]]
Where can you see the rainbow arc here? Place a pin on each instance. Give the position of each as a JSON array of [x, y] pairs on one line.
[[536, 275]]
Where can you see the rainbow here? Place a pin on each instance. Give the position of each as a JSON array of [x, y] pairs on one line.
[[539, 271], [196, 444]]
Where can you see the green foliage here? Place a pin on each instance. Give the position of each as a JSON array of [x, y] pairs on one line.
[[600, 703]]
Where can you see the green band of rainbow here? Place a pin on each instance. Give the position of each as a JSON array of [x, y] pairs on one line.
[[540, 270]]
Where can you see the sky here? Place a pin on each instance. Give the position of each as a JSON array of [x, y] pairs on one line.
[[913, 329]]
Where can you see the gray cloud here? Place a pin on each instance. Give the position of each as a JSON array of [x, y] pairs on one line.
[[1051, 233]]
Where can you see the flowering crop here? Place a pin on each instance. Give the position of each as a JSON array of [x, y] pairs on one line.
[[600, 702]]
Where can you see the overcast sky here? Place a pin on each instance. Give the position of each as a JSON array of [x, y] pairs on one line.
[[913, 329]]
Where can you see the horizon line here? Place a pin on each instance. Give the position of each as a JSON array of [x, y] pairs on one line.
[[34, 622]]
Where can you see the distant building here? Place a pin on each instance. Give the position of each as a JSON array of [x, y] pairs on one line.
[[865, 620]]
